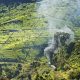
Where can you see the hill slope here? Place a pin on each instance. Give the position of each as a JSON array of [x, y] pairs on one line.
[[23, 37]]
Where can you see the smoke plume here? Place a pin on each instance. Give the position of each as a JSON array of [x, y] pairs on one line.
[[57, 13]]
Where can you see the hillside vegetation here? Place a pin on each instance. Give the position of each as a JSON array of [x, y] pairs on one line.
[[23, 37]]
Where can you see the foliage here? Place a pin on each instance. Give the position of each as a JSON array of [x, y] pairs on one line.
[[23, 37]]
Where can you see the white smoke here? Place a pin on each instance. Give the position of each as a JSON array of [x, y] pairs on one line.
[[57, 13]]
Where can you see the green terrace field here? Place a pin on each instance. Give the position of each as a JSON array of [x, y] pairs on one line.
[[23, 37], [20, 28]]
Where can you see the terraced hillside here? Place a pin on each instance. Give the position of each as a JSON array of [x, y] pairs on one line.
[[22, 33], [23, 37], [20, 27]]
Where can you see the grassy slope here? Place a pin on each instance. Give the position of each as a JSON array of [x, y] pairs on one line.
[[20, 28]]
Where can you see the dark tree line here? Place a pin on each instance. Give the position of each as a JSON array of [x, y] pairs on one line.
[[7, 2]]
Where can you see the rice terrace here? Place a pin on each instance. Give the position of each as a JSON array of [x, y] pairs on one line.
[[39, 40]]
